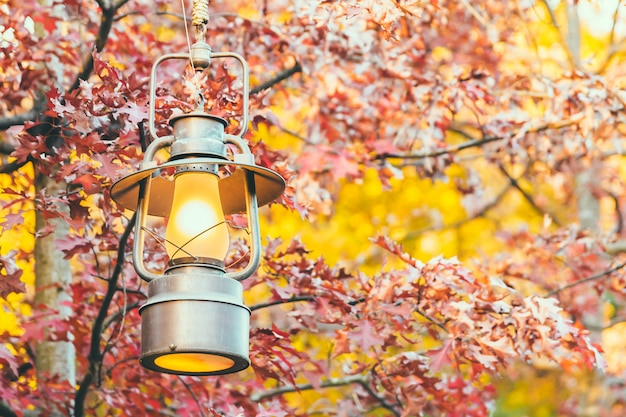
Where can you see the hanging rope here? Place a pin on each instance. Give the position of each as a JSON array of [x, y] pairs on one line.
[[199, 18]]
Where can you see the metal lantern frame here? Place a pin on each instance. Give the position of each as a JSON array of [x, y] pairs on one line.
[[195, 307]]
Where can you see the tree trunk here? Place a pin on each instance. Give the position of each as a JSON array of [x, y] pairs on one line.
[[599, 396], [53, 277]]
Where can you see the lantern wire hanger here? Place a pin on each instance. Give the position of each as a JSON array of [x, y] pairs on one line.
[[194, 321]]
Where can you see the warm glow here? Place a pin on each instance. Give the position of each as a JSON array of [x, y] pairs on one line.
[[196, 225], [193, 362]]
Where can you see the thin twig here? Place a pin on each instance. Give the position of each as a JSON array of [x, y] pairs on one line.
[[613, 47], [473, 143], [493, 203], [281, 76], [562, 40], [475, 13], [432, 320], [384, 404], [120, 362], [329, 383], [119, 313], [514, 182], [295, 299], [193, 395], [585, 280], [11, 167]]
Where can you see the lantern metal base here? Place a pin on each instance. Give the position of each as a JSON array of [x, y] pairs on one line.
[[195, 323]]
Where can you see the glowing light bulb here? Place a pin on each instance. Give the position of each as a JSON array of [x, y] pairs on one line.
[[194, 362], [196, 227]]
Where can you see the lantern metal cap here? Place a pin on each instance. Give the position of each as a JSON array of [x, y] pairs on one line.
[[197, 134]]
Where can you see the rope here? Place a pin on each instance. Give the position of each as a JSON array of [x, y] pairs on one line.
[[200, 17]]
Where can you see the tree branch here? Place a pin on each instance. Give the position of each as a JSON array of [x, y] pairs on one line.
[[613, 47], [573, 32], [480, 213], [106, 23], [585, 280], [5, 411], [329, 383], [294, 299], [6, 148], [475, 13], [526, 196], [367, 387], [118, 314], [615, 248], [11, 167], [361, 380], [193, 395], [18, 119], [95, 355], [562, 40], [599, 327], [281, 76], [39, 105], [473, 142], [116, 364]]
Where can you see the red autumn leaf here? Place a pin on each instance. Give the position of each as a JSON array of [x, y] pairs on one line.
[[367, 336], [7, 358], [441, 357], [91, 184], [74, 245], [134, 112], [10, 274]]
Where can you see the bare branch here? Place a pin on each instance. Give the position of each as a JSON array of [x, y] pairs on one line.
[[615, 248], [6, 148], [106, 24], [95, 355], [329, 383], [367, 387], [39, 105], [573, 32], [613, 47], [476, 215], [361, 380], [5, 411], [404, 9], [11, 167], [281, 76], [432, 320], [599, 327], [284, 301], [474, 143], [118, 314], [109, 370], [119, 4], [481, 19], [614, 23], [562, 39], [599, 275], [193, 395], [526, 196], [18, 119]]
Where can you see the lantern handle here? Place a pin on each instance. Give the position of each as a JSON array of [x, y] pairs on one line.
[[140, 225], [219, 55], [252, 210], [142, 209], [252, 207]]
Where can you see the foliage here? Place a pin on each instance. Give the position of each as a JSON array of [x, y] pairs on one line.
[[482, 131]]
